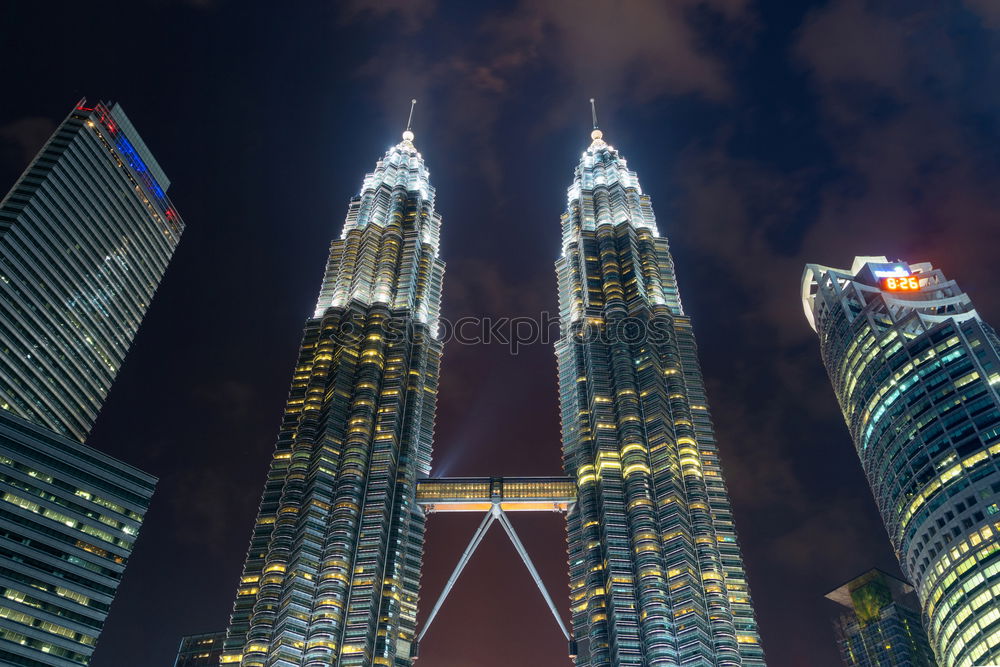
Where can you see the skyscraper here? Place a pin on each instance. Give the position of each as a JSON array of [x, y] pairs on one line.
[[69, 518], [332, 573], [656, 575], [881, 627], [916, 372], [204, 650], [85, 236]]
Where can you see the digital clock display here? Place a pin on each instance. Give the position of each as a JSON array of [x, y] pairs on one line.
[[901, 284]]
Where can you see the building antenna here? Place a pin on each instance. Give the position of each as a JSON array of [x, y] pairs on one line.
[[409, 121], [593, 112]]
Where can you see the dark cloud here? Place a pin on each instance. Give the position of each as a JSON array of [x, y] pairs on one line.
[[917, 177], [906, 176], [25, 136], [232, 398], [845, 42], [411, 13], [653, 49], [989, 10]]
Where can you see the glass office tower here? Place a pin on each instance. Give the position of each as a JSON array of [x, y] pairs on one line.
[[85, 236], [916, 373], [332, 573], [204, 650], [69, 518], [881, 627], [656, 575]]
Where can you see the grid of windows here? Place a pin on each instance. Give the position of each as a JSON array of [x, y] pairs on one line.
[[882, 626], [85, 236], [63, 550], [204, 650], [656, 576], [332, 573], [916, 376], [475, 488]]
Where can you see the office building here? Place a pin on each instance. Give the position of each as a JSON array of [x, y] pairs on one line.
[[332, 572], [916, 372], [85, 236], [69, 518], [881, 627], [204, 650], [656, 574]]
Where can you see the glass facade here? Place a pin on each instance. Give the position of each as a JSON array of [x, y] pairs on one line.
[[69, 517], [204, 650], [656, 576], [332, 573], [882, 626], [916, 372], [85, 236]]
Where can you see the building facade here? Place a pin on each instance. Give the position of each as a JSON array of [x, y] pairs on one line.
[[204, 650], [85, 237], [656, 575], [881, 627], [916, 372], [69, 518], [332, 572]]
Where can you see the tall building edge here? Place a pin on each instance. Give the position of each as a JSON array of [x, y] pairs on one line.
[[201, 650], [916, 372], [333, 570], [69, 519], [656, 576], [86, 234]]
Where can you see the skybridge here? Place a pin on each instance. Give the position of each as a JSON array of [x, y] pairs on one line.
[[494, 497], [479, 494]]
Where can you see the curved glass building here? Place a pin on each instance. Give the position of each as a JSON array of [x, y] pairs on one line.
[[916, 372], [656, 576], [332, 573]]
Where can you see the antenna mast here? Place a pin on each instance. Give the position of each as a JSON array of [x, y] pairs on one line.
[[409, 121]]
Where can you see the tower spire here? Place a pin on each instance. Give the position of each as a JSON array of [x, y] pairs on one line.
[[596, 135], [408, 133]]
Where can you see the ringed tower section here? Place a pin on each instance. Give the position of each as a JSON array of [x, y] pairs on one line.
[[656, 575], [332, 573]]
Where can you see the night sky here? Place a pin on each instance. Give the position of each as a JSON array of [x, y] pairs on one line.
[[769, 134]]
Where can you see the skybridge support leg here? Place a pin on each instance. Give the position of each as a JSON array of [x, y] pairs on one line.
[[509, 527], [477, 538], [495, 514]]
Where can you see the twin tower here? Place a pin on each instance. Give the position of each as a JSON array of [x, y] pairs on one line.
[[332, 575]]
